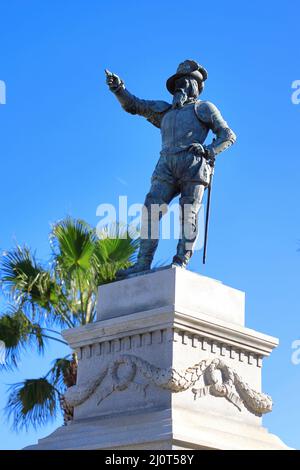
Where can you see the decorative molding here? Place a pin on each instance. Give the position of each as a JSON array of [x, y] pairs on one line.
[[161, 336], [166, 319], [225, 383]]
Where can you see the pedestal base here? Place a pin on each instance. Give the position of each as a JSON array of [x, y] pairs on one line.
[[168, 365], [159, 430]]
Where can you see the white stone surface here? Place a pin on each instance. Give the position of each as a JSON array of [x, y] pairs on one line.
[[160, 430], [171, 287], [135, 384]]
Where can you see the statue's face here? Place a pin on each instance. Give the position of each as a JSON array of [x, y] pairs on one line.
[[186, 90], [189, 85]]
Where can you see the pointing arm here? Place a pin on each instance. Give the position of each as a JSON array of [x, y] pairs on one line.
[[152, 110]]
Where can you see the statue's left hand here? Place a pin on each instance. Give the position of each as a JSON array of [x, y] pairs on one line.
[[197, 149]]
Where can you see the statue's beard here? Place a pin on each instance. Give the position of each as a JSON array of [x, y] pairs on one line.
[[180, 98]]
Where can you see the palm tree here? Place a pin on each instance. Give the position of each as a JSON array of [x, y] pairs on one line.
[[43, 299]]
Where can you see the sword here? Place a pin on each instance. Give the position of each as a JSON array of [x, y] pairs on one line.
[[207, 214]]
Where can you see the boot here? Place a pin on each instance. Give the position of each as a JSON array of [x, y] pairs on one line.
[[145, 257], [138, 267], [181, 261]]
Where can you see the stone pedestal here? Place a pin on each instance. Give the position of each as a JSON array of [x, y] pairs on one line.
[[168, 365]]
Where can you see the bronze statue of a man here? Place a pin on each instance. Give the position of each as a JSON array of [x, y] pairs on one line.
[[185, 163]]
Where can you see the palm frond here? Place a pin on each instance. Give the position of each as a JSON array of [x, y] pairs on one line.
[[16, 263], [114, 249], [116, 244], [73, 244], [106, 272], [33, 402], [25, 279], [63, 373], [19, 333]]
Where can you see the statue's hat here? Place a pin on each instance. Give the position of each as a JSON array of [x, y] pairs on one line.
[[188, 67]]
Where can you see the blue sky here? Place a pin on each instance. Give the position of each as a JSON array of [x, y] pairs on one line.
[[66, 146]]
